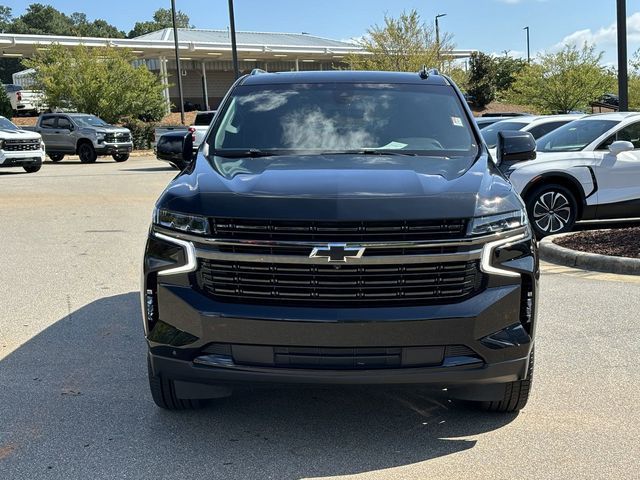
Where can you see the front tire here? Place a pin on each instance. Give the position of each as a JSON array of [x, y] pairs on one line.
[[516, 394], [163, 392], [87, 153], [56, 157], [120, 157], [32, 168], [552, 209]]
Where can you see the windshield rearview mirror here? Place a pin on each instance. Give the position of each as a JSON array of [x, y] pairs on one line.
[[513, 147], [620, 146]]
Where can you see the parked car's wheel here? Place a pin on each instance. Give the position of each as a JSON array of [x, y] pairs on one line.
[[87, 153], [163, 392], [552, 209], [516, 394], [120, 157], [56, 157], [32, 168]]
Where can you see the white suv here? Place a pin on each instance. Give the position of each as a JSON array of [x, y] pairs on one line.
[[588, 169]]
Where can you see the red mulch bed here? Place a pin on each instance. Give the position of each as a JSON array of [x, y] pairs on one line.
[[618, 243]]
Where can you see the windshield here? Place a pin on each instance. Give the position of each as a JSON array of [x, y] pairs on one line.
[[89, 121], [490, 133], [574, 136], [343, 117], [7, 125]]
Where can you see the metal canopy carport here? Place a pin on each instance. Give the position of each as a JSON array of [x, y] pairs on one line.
[[207, 50]]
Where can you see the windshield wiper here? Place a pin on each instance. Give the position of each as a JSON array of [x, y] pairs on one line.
[[371, 151], [251, 152]]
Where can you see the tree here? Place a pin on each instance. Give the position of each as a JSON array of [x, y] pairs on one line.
[[481, 84], [161, 19], [564, 81], [5, 18], [402, 44], [5, 104], [506, 68], [102, 81]]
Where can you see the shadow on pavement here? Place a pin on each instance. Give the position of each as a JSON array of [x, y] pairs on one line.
[[74, 403], [162, 168]]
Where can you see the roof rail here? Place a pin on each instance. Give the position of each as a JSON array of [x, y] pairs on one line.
[[424, 73], [257, 71]]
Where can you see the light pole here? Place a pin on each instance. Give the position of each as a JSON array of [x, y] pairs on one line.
[[623, 79], [234, 49], [175, 41], [438, 35], [528, 46]]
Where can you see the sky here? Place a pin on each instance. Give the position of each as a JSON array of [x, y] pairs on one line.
[[492, 26]]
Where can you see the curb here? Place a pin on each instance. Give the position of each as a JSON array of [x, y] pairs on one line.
[[551, 252]]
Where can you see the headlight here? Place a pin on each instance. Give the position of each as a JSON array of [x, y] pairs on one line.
[[181, 221], [498, 223]]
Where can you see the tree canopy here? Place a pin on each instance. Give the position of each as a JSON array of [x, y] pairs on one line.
[[40, 19], [102, 81], [161, 19], [563, 81], [402, 44]]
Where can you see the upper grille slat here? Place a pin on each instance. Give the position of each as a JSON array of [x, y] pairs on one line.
[[290, 230]]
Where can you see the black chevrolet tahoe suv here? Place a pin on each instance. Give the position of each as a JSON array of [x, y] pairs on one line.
[[342, 228]]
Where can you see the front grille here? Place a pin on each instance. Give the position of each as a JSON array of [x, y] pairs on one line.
[[117, 138], [21, 145], [344, 231], [329, 285]]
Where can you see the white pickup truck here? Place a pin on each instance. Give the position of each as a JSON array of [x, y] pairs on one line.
[[20, 148], [25, 101]]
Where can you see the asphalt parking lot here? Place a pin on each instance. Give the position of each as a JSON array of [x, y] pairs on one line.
[[74, 399]]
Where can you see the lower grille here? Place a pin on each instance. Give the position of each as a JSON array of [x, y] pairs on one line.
[[338, 358], [320, 285]]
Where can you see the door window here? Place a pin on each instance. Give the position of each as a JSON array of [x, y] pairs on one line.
[[630, 133], [541, 130], [64, 123], [48, 122]]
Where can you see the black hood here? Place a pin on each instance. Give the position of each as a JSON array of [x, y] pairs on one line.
[[338, 187]]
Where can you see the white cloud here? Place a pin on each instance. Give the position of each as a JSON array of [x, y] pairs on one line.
[[603, 37]]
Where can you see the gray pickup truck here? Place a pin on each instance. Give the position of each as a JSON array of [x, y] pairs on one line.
[[85, 135]]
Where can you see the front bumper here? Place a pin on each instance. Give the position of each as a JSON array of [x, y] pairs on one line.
[[196, 339], [21, 159], [111, 148]]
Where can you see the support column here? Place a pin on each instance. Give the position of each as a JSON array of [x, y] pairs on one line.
[[297, 65], [164, 78], [205, 92]]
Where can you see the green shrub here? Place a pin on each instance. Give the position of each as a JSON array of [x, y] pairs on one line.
[[142, 133], [5, 104]]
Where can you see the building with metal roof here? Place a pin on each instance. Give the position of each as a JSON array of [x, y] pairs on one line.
[[205, 56]]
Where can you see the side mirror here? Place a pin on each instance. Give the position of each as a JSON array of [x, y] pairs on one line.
[[621, 146], [175, 147], [513, 147]]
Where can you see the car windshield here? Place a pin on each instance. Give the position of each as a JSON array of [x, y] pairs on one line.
[[490, 133], [89, 121], [312, 119], [574, 136], [7, 125]]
